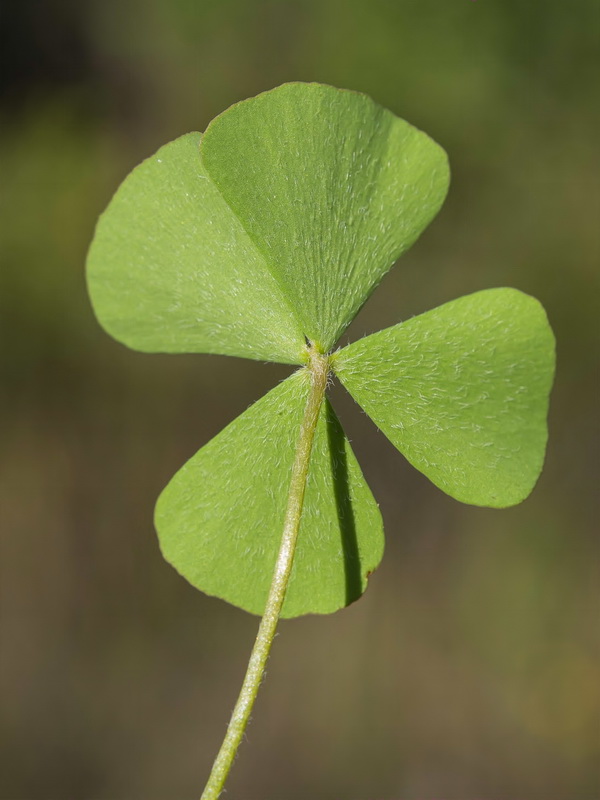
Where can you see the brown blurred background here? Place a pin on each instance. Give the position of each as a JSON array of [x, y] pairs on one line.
[[468, 671]]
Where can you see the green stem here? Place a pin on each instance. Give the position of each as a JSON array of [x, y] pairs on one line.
[[319, 369]]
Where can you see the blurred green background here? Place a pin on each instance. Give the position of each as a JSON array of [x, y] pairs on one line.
[[469, 670]]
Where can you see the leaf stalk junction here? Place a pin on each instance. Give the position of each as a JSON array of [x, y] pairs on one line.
[[318, 367]]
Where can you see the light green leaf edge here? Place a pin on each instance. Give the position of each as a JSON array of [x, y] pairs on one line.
[[220, 519], [332, 189], [462, 391], [171, 270]]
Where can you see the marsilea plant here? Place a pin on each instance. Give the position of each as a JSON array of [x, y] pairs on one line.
[[263, 238]]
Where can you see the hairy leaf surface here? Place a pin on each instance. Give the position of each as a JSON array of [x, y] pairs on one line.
[[331, 188], [220, 518], [172, 270], [463, 392]]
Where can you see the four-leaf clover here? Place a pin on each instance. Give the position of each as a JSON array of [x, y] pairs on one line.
[[263, 238]]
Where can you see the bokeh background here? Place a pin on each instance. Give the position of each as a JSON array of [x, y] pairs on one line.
[[468, 671]]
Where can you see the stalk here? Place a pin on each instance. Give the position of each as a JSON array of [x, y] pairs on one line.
[[319, 369]]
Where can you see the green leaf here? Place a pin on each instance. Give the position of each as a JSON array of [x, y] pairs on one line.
[[172, 270], [220, 518], [463, 392], [330, 187]]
